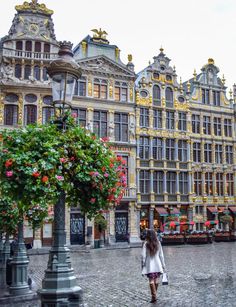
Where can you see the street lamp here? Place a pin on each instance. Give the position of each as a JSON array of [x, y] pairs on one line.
[[59, 284]]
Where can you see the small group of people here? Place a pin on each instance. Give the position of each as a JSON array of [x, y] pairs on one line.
[[153, 263]]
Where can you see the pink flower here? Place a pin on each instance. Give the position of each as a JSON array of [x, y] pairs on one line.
[[62, 160], [9, 173], [74, 115], [92, 200], [106, 175], [94, 174], [60, 178]]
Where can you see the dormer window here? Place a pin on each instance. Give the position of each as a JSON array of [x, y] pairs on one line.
[[156, 75], [156, 93], [169, 97]]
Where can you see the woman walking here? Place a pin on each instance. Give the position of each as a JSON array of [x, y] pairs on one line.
[[153, 264]]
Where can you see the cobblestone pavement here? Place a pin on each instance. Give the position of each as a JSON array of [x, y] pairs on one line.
[[203, 275]]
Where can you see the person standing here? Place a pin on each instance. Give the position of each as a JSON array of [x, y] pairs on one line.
[[153, 263]]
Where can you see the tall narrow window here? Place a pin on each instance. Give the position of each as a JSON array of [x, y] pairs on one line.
[[158, 182], [228, 127], [27, 72], [18, 71], [217, 126], [28, 49], [170, 120], [144, 117], [208, 183], [48, 113], [144, 148], [182, 123], [229, 154], [80, 115], [37, 72], [207, 153], [230, 184], [183, 183], [182, 150], [219, 184], [197, 152], [30, 114], [169, 97], [218, 154], [103, 89], [195, 123], [171, 182], [205, 96], [46, 48], [121, 127], [82, 86], [100, 123], [157, 145], [10, 114], [157, 119], [156, 95], [45, 74], [144, 182], [170, 149], [198, 183], [100, 89], [206, 125], [216, 98], [19, 48]]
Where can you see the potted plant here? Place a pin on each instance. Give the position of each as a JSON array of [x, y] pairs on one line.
[[101, 224]]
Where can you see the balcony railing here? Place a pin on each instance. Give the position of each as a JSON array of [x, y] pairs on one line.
[[129, 193], [13, 53]]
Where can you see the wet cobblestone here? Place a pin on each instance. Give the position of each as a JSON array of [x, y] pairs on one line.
[[199, 276]]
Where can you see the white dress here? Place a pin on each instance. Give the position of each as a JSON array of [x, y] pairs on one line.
[[152, 264]]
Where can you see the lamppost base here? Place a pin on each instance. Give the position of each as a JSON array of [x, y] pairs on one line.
[[63, 297]]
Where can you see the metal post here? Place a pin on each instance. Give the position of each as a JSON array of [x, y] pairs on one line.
[[59, 283], [2, 273], [19, 264]]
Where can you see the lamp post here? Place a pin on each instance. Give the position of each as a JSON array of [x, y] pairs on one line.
[[59, 284]]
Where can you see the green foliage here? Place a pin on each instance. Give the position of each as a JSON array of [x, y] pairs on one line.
[[37, 162], [226, 219], [9, 217], [100, 222]]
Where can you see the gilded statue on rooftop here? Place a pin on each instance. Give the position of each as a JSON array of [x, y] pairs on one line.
[[34, 7]]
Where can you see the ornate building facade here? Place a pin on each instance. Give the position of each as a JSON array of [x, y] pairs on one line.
[[212, 146], [178, 140], [163, 144]]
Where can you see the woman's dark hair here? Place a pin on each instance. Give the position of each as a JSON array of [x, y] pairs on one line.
[[152, 242]]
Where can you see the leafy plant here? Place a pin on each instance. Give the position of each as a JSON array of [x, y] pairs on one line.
[[226, 219], [37, 162], [100, 222]]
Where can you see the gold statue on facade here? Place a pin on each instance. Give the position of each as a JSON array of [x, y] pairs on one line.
[[100, 36]]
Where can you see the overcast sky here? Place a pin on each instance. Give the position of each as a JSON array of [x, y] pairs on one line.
[[190, 31]]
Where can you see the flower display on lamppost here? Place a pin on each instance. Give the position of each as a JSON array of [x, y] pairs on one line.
[[59, 283]]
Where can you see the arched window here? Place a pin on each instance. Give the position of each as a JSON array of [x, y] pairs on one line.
[[27, 72], [37, 47], [19, 48], [19, 45], [156, 95], [48, 112], [18, 71], [10, 114], [37, 72], [28, 49], [169, 97], [30, 114]]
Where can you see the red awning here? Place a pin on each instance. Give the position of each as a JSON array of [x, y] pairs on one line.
[[233, 209], [162, 211], [213, 210], [174, 211], [223, 209]]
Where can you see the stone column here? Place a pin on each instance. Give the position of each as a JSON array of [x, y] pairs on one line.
[[164, 149], [112, 238], [90, 119], [225, 184], [202, 151], [37, 238], [190, 191], [214, 192], [163, 119], [176, 150], [190, 213], [205, 215], [151, 216], [164, 182], [189, 144], [67, 218], [134, 221], [111, 126], [151, 181], [177, 182]]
